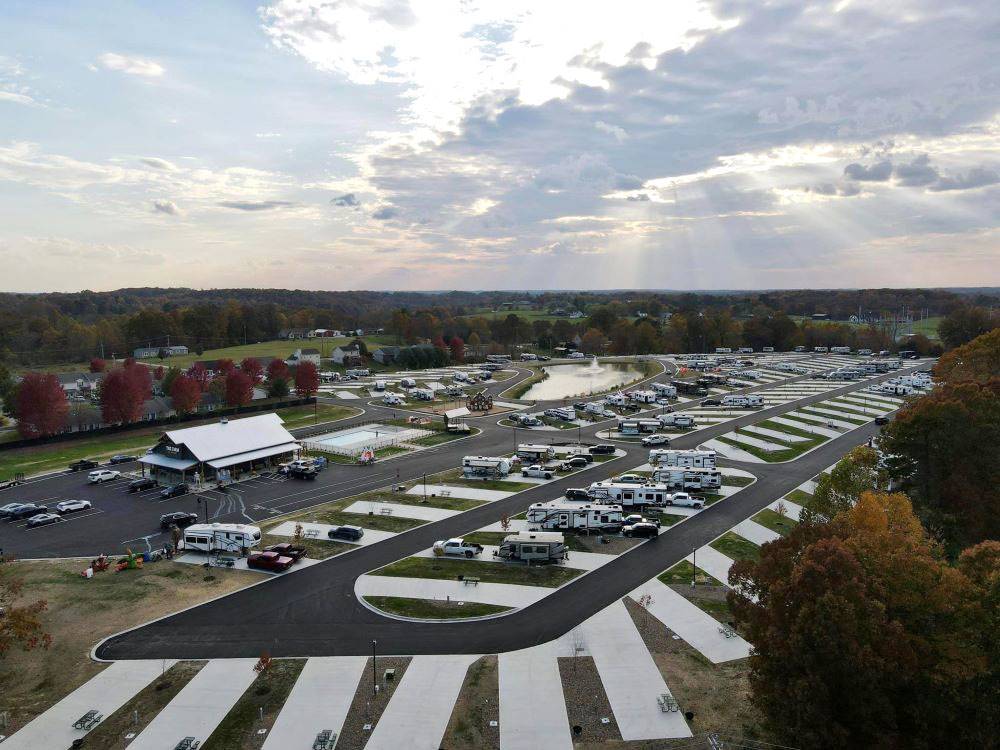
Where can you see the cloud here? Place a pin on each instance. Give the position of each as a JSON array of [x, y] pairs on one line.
[[385, 213], [255, 205], [974, 178], [166, 207], [347, 200], [618, 132], [843, 189], [878, 172], [917, 173], [157, 163], [267, 135], [16, 98], [135, 66]]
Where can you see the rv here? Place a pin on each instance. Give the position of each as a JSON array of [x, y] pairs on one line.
[[596, 407], [864, 352], [360, 372], [379, 385], [746, 350], [687, 458], [680, 478], [525, 420], [743, 401], [535, 453], [423, 394], [629, 495], [616, 399], [460, 377], [644, 397], [638, 426], [820, 349], [664, 390], [534, 546], [393, 399], [481, 467], [723, 350], [676, 420], [560, 515], [566, 413], [841, 350], [768, 350], [408, 383], [491, 366], [690, 388], [220, 537], [499, 359], [528, 357]]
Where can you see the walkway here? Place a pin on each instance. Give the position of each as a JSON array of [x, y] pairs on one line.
[[532, 706], [371, 536], [450, 490], [754, 532], [421, 512], [504, 594]]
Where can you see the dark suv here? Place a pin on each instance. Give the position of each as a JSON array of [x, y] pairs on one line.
[[349, 533], [604, 449], [178, 518], [26, 511], [174, 490], [144, 483], [84, 464]]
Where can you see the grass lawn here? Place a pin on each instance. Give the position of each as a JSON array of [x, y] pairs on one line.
[[853, 418], [431, 609], [454, 477], [800, 497], [488, 572], [403, 498], [786, 454], [789, 430], [81, 612], [394, 524], [257, 708], [717, 608], [487, 537], [734, 481], [681, 573], [775, 522], [521, 388], [734, 546], [852, 408], [666, 519], [303, 416]]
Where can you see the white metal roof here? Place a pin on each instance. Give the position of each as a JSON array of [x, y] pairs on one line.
[[238, 458], [228, 438], [178, 464]]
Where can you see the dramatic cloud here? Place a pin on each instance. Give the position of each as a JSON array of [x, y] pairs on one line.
[[166, 207], [879, 172], [135, 66], [974, 178], [349, 200], [255, 205], [385, 213]]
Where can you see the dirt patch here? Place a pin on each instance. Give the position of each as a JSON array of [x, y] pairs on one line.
[[367, 709], [612, 545], [136, 715], [717, 694], [586, 702], [81, 612], [478, 704]]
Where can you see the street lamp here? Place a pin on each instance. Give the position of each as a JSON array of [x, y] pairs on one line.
[[374, 678], [694, 566]]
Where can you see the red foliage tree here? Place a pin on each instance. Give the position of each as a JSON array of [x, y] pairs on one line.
[[123, 393], [277, 370], [457, 347], [239, 388], [200, 375], [186, 394], [158, 373], [41, 405], [97, 364], [439, 343], [252, 367], [225, 366], [129, 361], [306, 379]]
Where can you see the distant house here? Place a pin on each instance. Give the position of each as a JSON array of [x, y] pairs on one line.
[[158, 407], [324, 333], [386, 355], [149, 352], [79, 385], [820, 316], [576, 315], [349, 356], [303, 355], [290, 334]]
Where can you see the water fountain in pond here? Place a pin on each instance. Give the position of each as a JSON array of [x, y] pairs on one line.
[[593, 368]]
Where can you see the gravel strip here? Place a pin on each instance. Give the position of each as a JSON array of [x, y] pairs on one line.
[[368, 710], [586, 701], [478, 704]]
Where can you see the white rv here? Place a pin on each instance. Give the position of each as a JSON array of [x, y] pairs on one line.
[[676, 420], [681, 478], [739, 401], [461, 377], [534, 546], [638, 426], [723, 350], [528, 357], [408, 383], [379, 385], [480, 467], [746, 350], [525, 420], [393, 399], [688, 458], [424, 394], [644, 397], [664, 390], [616, 399], [560, 515], [629, 495], [566, 413], [842, 350], [535, 453], [220, 537]]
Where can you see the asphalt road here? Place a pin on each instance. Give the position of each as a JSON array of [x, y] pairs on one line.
[[314, 612]]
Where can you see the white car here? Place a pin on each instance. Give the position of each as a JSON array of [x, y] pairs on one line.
[[576, 355], [71, 506], [102, 475], [656, 440]]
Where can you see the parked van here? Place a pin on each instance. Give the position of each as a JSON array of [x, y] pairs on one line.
[[688, 458], [562, 515], [220, 537], [534, 546]]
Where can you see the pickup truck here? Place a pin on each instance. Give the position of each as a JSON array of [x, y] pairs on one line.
[[458, 547], [683, 499], [287, 550], [269, 561], [536, 470]]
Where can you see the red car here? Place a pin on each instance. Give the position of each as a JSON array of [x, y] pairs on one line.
[[269, 561], [287, 550]]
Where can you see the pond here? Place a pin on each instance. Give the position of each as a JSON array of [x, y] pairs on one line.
[[567, 381]]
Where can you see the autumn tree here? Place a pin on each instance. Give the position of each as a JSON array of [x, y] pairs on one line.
[[277, 370], [839, 490], [225, 366], [457, 347], [592, 342], [475, 344], [123, 392], [965, 323], [306, 379], [158, 373], [40, 405], [864, 636], [185, 394], [200, 374], [98, 365], [253, 369], [20, 623], [239, 388], [979, 360]]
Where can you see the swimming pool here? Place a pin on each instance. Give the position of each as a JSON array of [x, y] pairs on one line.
[[367, 435]]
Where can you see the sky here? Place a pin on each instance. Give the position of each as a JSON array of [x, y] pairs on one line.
[[478, 144]]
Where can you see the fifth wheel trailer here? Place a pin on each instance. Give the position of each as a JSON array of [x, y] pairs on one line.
[[676, 457], [682, 478], [561, 515], [485, 466]]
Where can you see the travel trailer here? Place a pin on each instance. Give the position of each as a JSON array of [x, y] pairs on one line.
[[639, 495], [750, 400], [561, 515], [687, 458], [676, 420], [220, 537], [842, 350], [535, 453], [645, 397], [680, 478], [664, 390], [485, 467], [638, 426], [534, 547], [525, 420], [393, 399], [424, 394], [408, 383], [566, 413], [616, 399]]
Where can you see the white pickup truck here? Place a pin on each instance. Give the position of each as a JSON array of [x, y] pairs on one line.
[[536, 470], [685, 500], [458, 547]]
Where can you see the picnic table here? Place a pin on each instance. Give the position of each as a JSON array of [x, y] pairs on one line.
[[325, 740], [188, 743], [467, 580], [667, 703], [385, 511], [311, 533], [727, 631], [88, 720]]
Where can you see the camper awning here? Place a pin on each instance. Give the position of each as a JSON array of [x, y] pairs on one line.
[[166, 462], [240, 458]]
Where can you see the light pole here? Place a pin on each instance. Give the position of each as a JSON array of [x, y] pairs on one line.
[[694, 566], [374, 679]]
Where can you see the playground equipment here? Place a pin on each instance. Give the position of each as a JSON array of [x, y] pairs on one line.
[[131, 561], [366, 457]]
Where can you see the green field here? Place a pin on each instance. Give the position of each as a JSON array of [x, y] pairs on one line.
[[927, 326], [681, 573], [775, 521]]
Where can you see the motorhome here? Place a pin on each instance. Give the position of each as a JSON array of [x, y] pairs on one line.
[[393, 399], [664, 390], [535, 453], [644, 397], [676, 420], [616, 399], [629, 495], [423, 394], [561, 515], [638, 426], [481, 467], [841, 350], [680, 478], [687, 458], [534, 546], [220, 537], [379, 385], [408, 383], [566, 413]]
